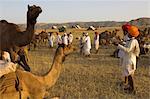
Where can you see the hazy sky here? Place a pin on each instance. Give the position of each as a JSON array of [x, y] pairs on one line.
[[58, 11]]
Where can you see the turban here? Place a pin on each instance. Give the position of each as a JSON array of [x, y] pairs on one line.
[[133, 31], [125, 27]]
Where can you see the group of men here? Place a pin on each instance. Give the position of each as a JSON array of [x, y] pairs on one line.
[[65, 39], [85, 44]]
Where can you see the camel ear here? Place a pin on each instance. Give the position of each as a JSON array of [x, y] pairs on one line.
[[28, 6]]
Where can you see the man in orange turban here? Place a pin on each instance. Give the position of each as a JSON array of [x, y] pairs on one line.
[[131, 51]]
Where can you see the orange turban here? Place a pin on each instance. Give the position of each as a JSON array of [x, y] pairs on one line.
[[133, 31]]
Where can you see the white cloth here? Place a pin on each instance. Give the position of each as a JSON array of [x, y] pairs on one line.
[[147, 46], [131, 51], [70, 38], [6, 56], [121, 52], [51, 40], [65, 39], [7, 67], [87, 45], [58, 40], [96, 42], [87, 42]]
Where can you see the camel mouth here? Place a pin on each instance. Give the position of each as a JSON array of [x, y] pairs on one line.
[[40, 10]]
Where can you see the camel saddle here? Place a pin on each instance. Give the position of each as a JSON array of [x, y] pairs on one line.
[[9, 81]]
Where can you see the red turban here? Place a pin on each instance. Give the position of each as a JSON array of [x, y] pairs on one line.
[[125, 27]]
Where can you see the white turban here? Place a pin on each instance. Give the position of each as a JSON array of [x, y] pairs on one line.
[[86, 34]]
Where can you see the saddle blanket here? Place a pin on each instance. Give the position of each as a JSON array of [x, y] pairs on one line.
[[7, 67]]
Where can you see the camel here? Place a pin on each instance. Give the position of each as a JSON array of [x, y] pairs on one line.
[[106, 37], [31, 86], [43, 37], [12, 37]]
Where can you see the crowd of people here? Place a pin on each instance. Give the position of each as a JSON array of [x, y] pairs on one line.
[[85, 44], [65, 39], [128, 50]]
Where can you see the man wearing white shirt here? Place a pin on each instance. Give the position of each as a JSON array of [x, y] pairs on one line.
[[65, 39], [70, 38], [131, 52], [58, 39], [87, 45], [51, 39]]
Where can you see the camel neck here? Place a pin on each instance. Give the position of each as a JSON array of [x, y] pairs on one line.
[[30, 28], [58, 58], [25, 37], [52, 76]]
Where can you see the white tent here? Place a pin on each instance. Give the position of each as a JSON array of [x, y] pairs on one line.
[[91, 28], [54, 27], [76, 27]]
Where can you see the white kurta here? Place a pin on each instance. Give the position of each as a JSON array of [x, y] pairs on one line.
[[131, 51], [51, 40], [70, 38], [65, 40], [96, 42], [58, 40], [87, 45]]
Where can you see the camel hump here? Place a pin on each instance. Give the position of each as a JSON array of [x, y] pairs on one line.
[[3, 21]]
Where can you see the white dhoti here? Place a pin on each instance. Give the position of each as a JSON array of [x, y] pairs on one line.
[[87, 46], [129, 66], [87, 51], [96, 43]]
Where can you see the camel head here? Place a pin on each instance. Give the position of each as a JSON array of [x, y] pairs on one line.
[[68, 49], [33, 13], [64, 50]]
